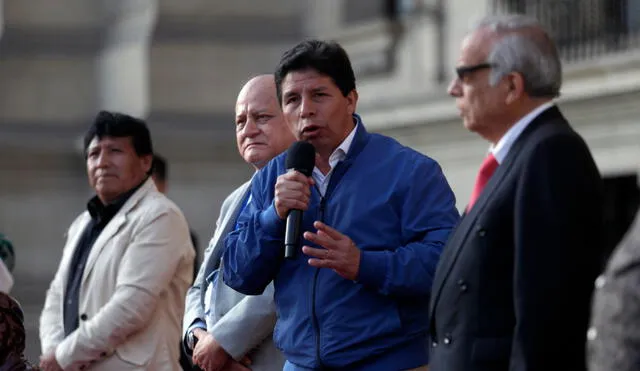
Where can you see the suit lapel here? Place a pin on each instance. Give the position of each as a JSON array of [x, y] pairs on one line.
[[226, 225], [115, 225], [109, 231], [457, 240], [72, 245]]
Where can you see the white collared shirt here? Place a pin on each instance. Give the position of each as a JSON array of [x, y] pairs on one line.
[[339, 154], [501, 149]]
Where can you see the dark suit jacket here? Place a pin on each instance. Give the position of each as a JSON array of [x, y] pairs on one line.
[[614, 338], [513, 286]]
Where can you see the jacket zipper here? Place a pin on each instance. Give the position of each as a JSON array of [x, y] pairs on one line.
[[316, 325], [323, 204]]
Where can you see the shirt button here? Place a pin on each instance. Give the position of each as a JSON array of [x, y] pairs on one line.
[[434, 344], [600, 282], [463, 285], [447, 340], [592, 334]]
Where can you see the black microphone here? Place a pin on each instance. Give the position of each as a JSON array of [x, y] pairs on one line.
[[301, 156]]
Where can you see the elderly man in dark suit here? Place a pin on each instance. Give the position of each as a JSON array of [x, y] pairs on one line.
[[513, 286], [614, 335]]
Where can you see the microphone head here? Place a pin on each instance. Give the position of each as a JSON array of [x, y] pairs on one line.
[[301, 156]]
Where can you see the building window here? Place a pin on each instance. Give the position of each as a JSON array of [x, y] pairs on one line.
[[583, 29]]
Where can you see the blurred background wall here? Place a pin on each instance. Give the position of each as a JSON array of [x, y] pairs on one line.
[[180, 64]]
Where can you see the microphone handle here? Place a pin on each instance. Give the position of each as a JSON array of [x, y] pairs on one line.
[[292, 234]]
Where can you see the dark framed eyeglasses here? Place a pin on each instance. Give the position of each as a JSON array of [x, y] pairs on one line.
[[464, 71]]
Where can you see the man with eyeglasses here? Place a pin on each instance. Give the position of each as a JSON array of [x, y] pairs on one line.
[[513, 286]]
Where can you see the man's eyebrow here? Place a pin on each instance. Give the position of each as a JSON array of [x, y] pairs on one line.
[[260, 111]]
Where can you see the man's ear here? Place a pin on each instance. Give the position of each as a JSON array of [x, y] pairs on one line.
[[515, 87], [147, 163], [352, 101]]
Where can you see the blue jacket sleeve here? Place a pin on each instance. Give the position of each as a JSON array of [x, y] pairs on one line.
[[428, 215], [253, 252]]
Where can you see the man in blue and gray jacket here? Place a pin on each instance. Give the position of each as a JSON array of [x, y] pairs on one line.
[[376, 216]]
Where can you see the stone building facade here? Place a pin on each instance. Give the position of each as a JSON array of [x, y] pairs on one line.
[[180, 64]]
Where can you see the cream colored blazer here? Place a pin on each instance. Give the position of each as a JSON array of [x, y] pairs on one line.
[[132, 291]]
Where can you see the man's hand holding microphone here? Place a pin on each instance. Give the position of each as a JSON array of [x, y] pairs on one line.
[[292, 197]]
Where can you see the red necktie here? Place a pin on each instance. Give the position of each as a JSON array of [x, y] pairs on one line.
[[489, 165]]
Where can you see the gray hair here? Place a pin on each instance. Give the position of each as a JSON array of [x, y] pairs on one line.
[[524, 46]]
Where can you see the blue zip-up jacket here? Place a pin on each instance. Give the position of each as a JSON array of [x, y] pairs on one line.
[[397, 207]]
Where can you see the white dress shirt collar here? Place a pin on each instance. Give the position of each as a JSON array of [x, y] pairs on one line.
[[501, 149], [339, 154]]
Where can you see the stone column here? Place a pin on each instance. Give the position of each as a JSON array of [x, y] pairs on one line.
[[1, 18], [203, 51], [123, 62]]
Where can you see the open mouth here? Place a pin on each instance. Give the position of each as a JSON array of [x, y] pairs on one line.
[[310, 131]]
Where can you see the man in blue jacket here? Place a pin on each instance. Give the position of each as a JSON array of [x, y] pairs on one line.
[[376, 216]]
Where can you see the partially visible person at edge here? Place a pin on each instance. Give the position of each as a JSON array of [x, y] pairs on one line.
[[12, 336], [160, 176], [7, 262], [376, 216], [221, 326], [117, 299], [513, 286], [613, 340]]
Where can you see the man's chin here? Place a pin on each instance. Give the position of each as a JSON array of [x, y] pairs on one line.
[[256, 157], [313, 139], [469, 125], [107, 194]]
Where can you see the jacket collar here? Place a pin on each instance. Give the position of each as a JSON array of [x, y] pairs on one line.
[[360, 139], [101, 212], [116, 223]]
